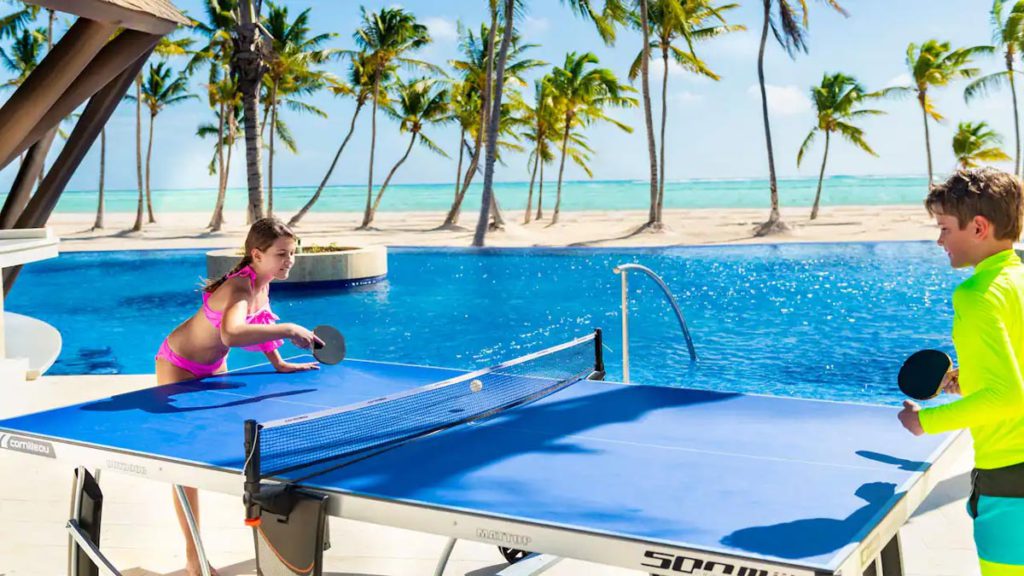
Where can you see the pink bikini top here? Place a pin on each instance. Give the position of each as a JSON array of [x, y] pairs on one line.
[[262, 316]]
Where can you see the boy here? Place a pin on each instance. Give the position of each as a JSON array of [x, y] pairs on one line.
[[979, 217]]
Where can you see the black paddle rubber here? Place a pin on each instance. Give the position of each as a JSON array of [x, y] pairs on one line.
[[332, 350], [921, 375]]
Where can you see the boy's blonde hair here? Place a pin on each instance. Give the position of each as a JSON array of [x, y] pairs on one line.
[[987, 192]]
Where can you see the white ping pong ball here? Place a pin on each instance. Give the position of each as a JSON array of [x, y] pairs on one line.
[[476, 385]]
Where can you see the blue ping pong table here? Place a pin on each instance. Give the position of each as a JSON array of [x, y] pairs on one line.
[[661, 479]]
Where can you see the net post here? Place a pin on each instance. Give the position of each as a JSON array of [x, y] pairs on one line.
[[598, 353], [252, 473]]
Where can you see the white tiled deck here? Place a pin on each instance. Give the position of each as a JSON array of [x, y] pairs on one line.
[[141, 536]]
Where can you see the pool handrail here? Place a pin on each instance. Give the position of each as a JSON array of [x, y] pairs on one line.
[[623, 269]]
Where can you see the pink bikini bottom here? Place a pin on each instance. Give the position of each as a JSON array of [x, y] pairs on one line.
[[197, 369]]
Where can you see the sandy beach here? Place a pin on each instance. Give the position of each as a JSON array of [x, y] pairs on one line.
[[590, 228]]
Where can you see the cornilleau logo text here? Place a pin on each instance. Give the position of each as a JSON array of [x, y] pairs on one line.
[[27, 445], [698, 567], [503, 537]]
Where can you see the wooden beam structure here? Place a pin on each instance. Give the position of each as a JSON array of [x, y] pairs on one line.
[[158, 17], [88, 127], [97, 60], [49, 80], [117, 55], [28, 174]]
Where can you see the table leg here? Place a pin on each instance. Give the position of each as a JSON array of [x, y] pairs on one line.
[[445, 554], [204, 565], [892, 557]]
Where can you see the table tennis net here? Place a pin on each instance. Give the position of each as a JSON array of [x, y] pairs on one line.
[[294, 443]]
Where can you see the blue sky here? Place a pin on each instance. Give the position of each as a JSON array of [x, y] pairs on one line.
[[714, 129]]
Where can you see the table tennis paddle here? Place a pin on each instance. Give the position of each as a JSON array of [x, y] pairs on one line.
[[332, 350], [922, 372]]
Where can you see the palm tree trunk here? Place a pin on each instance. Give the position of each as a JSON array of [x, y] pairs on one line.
[[453, 214], [529, 196], [821, 177], [773, 217], [253, 158], [227, 177], [1016, 117], [323, 183], [367, 216], [218, 208], [561, 170], [98, 224], [494, 120], [149, 157], [497, 221], [458, 167], [270, 160], [645, 86], [927, 138], [138, 151], [380, 193], [540, 194], [664, 116]]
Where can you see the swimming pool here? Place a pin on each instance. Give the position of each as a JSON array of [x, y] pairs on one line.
[[829, 321]]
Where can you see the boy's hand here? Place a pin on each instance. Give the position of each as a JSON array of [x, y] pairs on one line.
[[288, 367], [910, 419], [951, 382]]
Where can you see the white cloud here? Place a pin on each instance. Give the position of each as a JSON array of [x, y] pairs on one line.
[[657, 68], [739, 45], [685, 97], [441, 29], [782, 100], [901, 80], [534, 27]]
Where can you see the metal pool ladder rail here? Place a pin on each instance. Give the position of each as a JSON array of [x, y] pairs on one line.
[[623, 269]]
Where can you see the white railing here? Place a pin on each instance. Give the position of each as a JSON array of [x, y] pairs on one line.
[[623, 269]]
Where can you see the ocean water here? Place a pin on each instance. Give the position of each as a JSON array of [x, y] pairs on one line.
[[576, 195], [831, 321]]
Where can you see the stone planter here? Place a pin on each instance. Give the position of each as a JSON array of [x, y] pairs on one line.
[[317, 266]]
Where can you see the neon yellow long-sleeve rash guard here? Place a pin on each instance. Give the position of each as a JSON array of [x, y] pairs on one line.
[[988, 333]]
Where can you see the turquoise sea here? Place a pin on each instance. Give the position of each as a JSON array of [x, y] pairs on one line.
[[576, 196]]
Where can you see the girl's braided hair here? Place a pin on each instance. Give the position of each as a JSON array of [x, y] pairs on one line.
[[262, 235]]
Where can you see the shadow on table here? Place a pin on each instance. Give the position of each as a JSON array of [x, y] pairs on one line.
[[811, 537], [160, 400]]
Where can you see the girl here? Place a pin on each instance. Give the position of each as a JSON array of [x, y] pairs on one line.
[[235, 313]]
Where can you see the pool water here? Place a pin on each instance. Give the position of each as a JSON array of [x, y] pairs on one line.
[[831, 321]]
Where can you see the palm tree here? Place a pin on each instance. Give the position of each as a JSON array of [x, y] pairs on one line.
[[14, 23], [542, 118], [469, 100], [166, 47], [418, 103], [360, 87], [223, 91], [25, 52], [465, 106], [975, 144], [227, 103], [836, 100], [671, 20], [290, 72], [789, 30], [159, 90], [935, 64], [386, 37], [249, 58], [98, 223], [1008, 35], [614, 12], [581, 96]]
